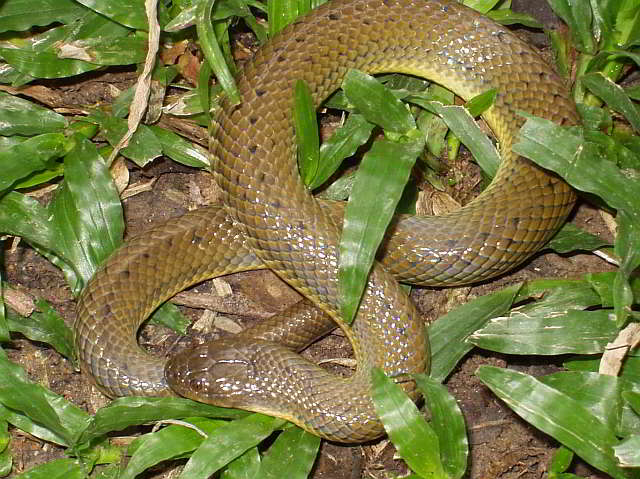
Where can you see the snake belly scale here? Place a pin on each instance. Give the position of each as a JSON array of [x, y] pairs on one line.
[[270, 220]]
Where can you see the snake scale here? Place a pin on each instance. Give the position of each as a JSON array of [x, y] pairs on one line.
[[271, 221]]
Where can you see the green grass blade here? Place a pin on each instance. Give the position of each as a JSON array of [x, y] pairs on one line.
[[292, 455], [556, 414], [448, 423], [448, 335]]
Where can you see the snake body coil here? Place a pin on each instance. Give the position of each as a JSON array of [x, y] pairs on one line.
[[270, 220]]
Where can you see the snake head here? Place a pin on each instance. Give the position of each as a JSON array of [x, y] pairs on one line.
[[230, 373]]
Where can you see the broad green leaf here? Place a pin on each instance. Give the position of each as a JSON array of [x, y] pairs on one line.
[[509, 17], [307, 135], [45, 64], [167, 443], [87, 214], [435, 130], [22, 117], [24, 423], [614, 96], [111, 51], [627, 248], [124, 412], [571, 238], [6, 462], [556, 414], [376, 103], [171, 317], [633, 398], [282, 12], [415, 441], [603, 284], [21, 15], [448, 335], [32, 155], [630, 367], [212, 51], [559, 150], [131, 14], [481, 103], [181, 150], [466, 129], [53, 412], [577, 332], [292, 455], [342, 144], [602, 395], [628, 452], [557, 296], [247, 466], [448, 423], [228, 442], [561, 460], [381, 178], [4, 328], [578, 16], [56, 469], [45, 326], [143, 147]]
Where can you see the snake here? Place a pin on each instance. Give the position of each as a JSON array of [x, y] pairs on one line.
[[268, 219]]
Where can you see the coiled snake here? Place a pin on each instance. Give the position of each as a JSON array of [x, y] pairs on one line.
[[271, 220]]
